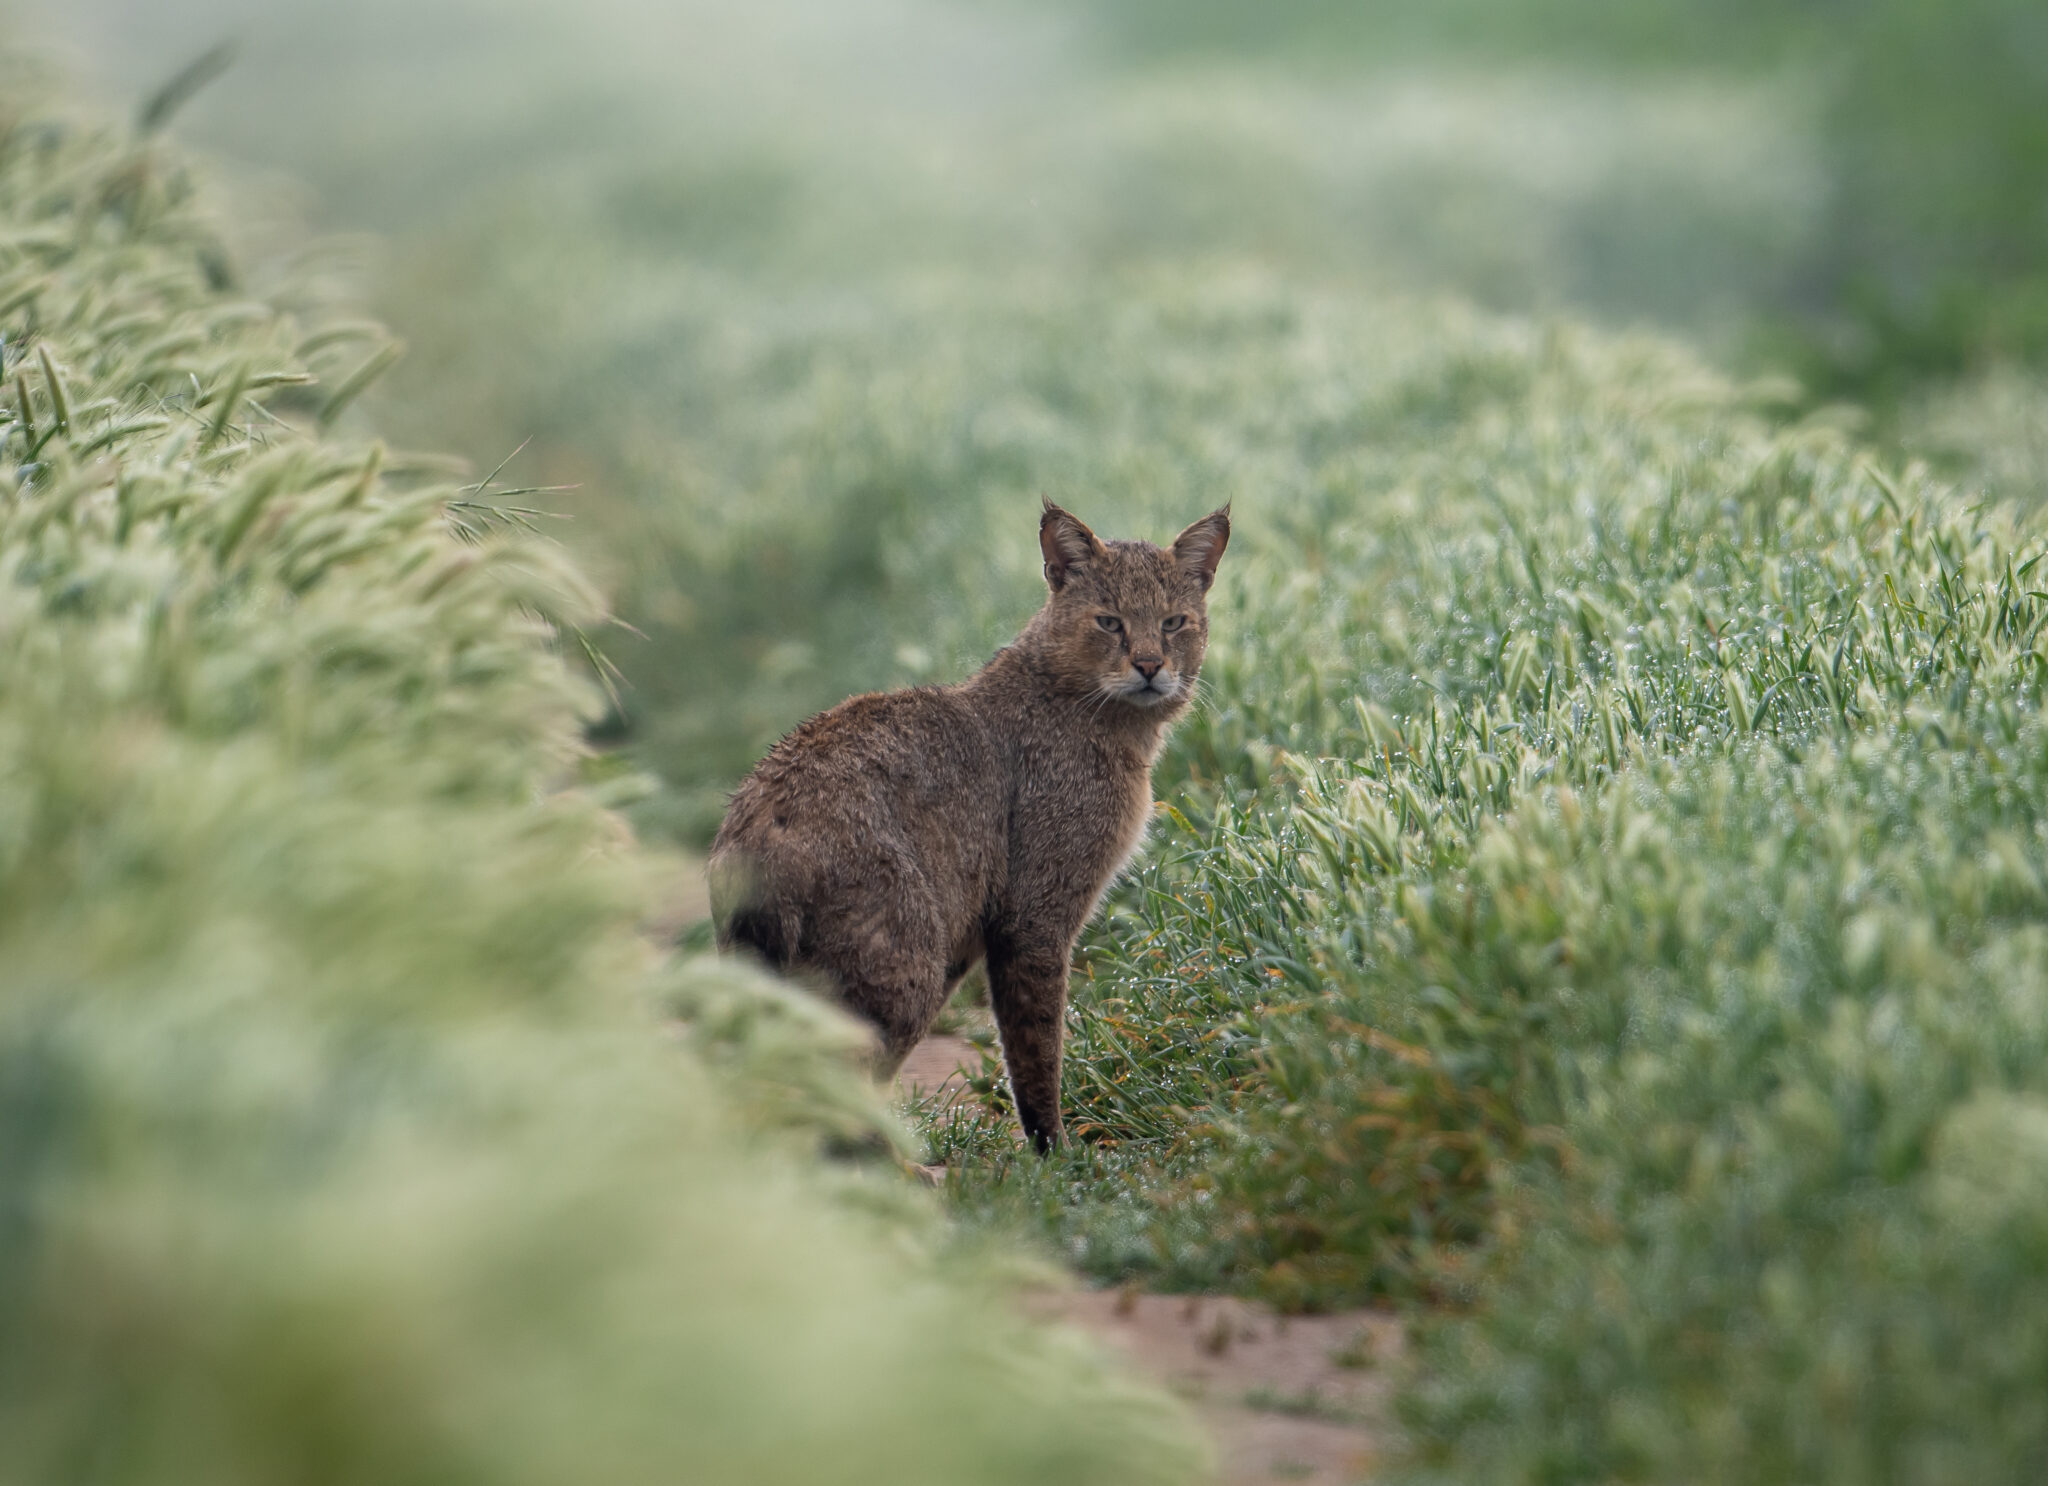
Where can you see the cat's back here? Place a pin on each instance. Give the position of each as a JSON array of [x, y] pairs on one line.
[[882, 762]]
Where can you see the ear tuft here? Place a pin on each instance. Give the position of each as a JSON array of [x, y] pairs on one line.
[[1067, 544], [1200, 547]]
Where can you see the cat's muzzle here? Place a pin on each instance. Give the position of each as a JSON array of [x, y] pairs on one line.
[[1141, 691]]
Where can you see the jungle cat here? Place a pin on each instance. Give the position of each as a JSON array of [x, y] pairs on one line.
[[888, 845]]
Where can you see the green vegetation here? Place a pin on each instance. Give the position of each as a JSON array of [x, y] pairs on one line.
[[801, 315], [343, 1133], [1603, 890], [1927, 259], [1598, 901], [785, 301]]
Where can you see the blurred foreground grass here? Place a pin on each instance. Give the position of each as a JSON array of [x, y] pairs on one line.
[[351, 1126]]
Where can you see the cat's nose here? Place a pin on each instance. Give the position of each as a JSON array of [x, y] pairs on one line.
[[1148, 665]]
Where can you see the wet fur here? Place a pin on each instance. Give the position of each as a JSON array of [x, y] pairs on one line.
[[888, 845]]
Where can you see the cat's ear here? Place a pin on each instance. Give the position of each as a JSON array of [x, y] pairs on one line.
[[1066, 543], [1200, 547]]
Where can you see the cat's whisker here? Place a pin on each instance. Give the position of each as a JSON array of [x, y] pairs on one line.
[[1105, 692]]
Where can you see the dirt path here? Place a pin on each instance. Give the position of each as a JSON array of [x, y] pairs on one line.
[[1299, 1399], [1287, 1398], [937, 1063]]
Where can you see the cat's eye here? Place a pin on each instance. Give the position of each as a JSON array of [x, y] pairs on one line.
[[1174, 622], [1110, 622]]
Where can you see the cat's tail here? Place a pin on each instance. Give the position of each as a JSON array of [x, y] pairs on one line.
[[771, 935], [750, 914]]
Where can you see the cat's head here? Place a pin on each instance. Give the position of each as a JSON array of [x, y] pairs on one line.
[[1128, 620]]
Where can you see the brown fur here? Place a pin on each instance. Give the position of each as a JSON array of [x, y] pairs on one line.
[[891, 843]]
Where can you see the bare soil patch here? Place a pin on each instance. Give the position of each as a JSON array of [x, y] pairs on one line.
[[1300, 1399], [937, 1065], [1287, 1398]]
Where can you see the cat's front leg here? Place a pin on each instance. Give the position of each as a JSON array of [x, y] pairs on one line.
[[1027, 984]]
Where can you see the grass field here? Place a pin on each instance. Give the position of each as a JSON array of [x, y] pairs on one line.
[[1601, 891], [1596, 904]]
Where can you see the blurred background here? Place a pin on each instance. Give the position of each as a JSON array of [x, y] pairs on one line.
[[792, 310]]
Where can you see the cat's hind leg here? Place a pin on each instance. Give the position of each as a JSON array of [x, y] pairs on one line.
[[888, 966], [901, 1010]]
